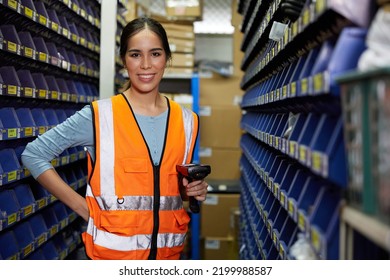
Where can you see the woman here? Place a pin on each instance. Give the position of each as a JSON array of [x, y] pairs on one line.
[[134, 142]]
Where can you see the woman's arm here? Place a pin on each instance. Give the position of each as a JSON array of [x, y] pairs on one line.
[[77, 130]]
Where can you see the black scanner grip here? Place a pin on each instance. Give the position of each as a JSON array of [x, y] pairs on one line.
[[193, 172]]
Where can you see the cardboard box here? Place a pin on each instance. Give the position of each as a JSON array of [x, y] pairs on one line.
[[218, 90], [215, 214], [192, 9], [238, 55], [181, 45], [222, 248], [220, 126], [180, 34], [182, 60], [184, 27], [224, 162], [185, 71]]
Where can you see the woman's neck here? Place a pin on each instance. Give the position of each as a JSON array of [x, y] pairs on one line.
[[150, 104]]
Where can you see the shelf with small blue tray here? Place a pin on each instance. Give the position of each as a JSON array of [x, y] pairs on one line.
[[10, 166], [10, 208], [26, 200], [9, 248], [39, 229], [25, 238]]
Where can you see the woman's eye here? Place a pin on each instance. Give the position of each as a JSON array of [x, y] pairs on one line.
[[134, 55], [156, 54]]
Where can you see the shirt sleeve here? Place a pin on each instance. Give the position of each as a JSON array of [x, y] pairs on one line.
[[77, 130]]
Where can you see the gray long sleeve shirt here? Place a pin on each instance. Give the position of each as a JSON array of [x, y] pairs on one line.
[[77, 130]]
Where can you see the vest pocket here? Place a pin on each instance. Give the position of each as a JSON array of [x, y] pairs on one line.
[[120, 222], [134, 176], [182, 220]]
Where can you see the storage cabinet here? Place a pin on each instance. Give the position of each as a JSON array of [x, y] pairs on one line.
[[49, 69], [294, 164]]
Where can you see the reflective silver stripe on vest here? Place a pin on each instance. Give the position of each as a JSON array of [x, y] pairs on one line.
[[107, 151], [135, 242], [136, 202], [188, 120]]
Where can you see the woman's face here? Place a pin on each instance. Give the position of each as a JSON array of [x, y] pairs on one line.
[[145, 61]]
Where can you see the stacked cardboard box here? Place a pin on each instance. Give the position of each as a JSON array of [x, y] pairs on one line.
[[219, 227], [220, 133], [191, 10], [220, 116], [181, 39]]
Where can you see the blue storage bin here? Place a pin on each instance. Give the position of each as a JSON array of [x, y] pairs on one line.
[[64, 157], [63, 55], [10, 121], [10, 80], [54, 56], [40, 8], [10, 165], [53, 87], [41, 195], [82, 95], [41, 85], [27, 83], [29, 4], [51, 220], [63, 89], [73, 154], [303, 85], [61, 115], [295, 76], [62, 215], [60, 245], [43, 52], [29, 49], [51, 117], [29, 128], [71, 178], [72, 90], [350, 45], [55, 22], [74, 32], [305, 137], [26, 199], [39, 229], [36, 255], [296, 188], [40, 120], [9, 205], [50, 251], [25, 238], [82, 35], [74, 64], [306, 202], [9, 248], [286, 182], [324, 223], [10, 34], [287, 237]]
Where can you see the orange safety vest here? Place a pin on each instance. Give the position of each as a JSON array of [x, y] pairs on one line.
[[135, 207]]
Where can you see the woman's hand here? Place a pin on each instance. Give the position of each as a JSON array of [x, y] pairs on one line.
[[197, 189]]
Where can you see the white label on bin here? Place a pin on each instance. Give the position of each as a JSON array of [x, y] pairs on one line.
[[212, 244], [205, 152], [205, 111], [211, 200]]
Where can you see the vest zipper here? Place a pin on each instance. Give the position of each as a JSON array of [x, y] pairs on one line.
[[156, 209]]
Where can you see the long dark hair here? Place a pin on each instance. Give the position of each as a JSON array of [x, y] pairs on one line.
[[137, 25]]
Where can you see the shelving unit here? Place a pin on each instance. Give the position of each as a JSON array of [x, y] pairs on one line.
[[294, 173], [48, 70]]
